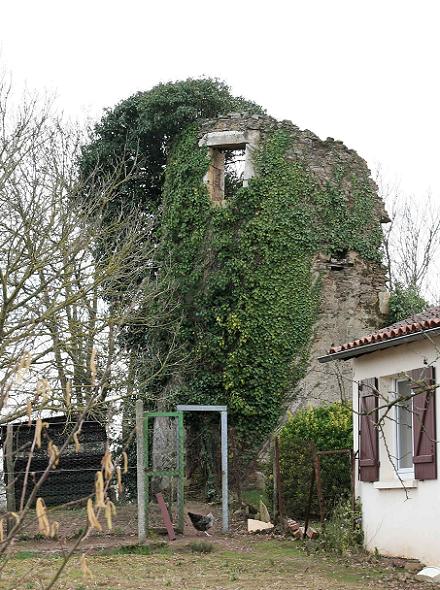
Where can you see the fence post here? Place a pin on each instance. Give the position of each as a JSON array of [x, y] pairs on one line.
[[309, 502], [275, 482], [224, 445], [10, 486], [140, 470], [279, 511], [317, 466]]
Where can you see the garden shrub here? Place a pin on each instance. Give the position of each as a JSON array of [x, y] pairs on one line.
[[342, 533], [404, 302], [321, 428]]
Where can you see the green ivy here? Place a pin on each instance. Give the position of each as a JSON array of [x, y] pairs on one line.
[[348, 224], [248, 298]]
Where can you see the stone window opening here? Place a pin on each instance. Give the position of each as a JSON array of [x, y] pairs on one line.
[[231, 165], [234, 165]]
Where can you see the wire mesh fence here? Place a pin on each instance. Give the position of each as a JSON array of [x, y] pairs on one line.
[[163, 466], [64, 469], [69, 483], [314, 484]]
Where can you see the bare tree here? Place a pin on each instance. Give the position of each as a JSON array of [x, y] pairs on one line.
[[61, 309], [411, 240]]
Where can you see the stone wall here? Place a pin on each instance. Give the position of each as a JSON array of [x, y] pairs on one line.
[[353, 303], [353, 292]]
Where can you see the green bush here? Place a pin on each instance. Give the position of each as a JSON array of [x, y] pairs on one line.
[[322, 428], [342, 533], [404, 302]]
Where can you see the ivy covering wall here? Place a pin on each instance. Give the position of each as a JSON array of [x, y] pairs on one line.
[[248, 295], [231, 295]]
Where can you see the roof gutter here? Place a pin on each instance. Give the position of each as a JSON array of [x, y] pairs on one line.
[[367, 348]]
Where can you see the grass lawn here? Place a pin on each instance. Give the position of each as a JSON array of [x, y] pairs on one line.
[[238, 563]]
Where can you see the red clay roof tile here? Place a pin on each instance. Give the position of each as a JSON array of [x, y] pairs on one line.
[[417, 323]]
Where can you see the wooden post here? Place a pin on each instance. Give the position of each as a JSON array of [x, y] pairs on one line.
[[275, 483], [317, 468], [166, 517], [309, 502], [279, 511], [9, 460], [140, 470]]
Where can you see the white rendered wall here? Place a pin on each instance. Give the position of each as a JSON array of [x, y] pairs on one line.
[[399, 523]]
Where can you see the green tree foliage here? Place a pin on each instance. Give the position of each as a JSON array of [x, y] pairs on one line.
[[135, 136], [240, 296], [248, 301], [131, 145], [405, 302], [322, 428], [248, 297]]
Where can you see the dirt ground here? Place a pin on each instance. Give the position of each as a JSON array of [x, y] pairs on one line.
[[236, 561]]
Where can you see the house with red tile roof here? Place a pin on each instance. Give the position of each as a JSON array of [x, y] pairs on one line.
[[396, 429]]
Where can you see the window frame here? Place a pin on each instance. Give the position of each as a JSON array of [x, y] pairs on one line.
[[404, 472]]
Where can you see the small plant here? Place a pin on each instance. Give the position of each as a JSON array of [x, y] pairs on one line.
[[118, 531], [201, 547], [132, 550], [234, 574], [77, 534], [404, 302], [343, 534], [25, 555]]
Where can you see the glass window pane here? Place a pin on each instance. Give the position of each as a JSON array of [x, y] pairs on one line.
[[404, 428]]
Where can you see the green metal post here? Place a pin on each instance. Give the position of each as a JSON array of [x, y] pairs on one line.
[[178, 472]]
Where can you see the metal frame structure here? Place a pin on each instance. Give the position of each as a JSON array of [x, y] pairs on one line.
[[223, 410], [144, 473]]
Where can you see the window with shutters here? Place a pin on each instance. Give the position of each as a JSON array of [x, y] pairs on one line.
[[404, 428], [368, 433]]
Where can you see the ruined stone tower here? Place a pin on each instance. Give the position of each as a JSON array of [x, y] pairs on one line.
[[353, 294]]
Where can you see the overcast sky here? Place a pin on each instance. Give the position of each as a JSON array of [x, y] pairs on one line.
[[363, 71]]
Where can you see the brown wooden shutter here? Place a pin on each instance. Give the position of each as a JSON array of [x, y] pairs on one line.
[[368, 434], [424, 430]]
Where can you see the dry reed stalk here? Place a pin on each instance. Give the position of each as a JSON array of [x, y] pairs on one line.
[[125, 458], [84, 567], [107, 464], [119, 479], [99, 490], [93, 367], [43, 521], [110, 511], [54, 454], [91, 516]]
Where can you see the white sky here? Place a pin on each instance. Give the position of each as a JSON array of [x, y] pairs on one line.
[[363, 71]]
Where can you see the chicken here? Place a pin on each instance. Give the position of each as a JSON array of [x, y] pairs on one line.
[[202, 523]]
